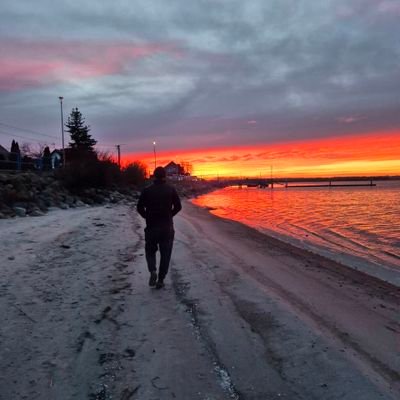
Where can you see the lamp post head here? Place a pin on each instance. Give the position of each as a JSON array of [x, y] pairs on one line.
[[61, 98], [154, 143]]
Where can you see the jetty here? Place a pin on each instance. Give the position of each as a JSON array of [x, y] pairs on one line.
[[330, 184], [271, 183]]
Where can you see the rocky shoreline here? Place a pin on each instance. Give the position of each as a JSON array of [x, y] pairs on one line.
[[31, 194]]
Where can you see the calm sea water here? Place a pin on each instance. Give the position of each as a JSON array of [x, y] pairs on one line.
[[358, 226]]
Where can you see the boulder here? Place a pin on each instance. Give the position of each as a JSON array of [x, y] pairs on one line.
[[3, 179], [36, 213], [41, 205], [69, 200], [20, 211], [7, 211], [98, 199]]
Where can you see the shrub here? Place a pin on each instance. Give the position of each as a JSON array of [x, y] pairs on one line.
[[82, 174], [134, 173]]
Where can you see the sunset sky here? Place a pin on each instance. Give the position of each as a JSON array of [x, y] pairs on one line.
[[309, 87]]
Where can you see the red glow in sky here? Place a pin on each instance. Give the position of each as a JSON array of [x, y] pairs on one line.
[[373, 154]]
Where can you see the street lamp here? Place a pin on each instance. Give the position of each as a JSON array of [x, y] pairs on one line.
[[62, 128], [155, 156]]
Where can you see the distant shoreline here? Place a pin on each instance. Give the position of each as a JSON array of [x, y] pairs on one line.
[[312, 179]]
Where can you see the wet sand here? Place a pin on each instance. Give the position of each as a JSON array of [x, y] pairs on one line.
[[243, 316]]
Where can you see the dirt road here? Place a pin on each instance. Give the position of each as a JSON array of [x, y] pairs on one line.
[[241, 317]]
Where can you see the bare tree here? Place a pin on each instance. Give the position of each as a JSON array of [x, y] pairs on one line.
[[33, 150], [187, 167]]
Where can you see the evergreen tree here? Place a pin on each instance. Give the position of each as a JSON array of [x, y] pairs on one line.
[[15, 148], [46, 159], [15, 154], [81, 140]]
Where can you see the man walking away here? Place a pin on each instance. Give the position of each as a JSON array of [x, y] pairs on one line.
[[158, 204]]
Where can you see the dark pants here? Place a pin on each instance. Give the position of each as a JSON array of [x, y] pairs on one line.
[[159, 238]]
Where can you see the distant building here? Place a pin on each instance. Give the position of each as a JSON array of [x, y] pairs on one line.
[[4, 157], [177, 171], [56, 158], [4, 153], [173, 169]]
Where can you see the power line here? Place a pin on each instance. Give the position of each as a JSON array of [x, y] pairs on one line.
[[26, 130], [35, 140], [106, 146], [19, 136]]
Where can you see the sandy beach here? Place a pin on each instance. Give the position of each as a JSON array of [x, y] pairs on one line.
[[242, 316]]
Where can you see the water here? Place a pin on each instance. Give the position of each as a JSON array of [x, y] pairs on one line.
[[357, 226]]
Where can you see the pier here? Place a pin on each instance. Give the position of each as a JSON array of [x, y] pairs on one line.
[[268, 183], [330, 184]]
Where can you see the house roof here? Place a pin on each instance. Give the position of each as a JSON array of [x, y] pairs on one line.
[[56, 151], [3, 150], [172, 164]]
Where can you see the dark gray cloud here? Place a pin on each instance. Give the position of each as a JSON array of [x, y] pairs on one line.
[[210, 73]]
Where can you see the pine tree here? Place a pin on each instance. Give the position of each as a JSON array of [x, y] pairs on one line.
[[46, 159], [15, 155], [81, 140], [15, 148]]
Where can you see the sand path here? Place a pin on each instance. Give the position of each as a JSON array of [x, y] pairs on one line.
[[241, 317]]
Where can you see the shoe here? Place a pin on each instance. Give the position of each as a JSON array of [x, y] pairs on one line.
[[160, 284], [153, 279]]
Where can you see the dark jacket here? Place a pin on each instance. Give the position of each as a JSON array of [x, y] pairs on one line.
[[158, 204]]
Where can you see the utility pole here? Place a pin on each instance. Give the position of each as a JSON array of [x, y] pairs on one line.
[[155, 156], [118, 146], [62, 129]]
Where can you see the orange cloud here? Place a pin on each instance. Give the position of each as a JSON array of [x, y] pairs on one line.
[[372, 154]]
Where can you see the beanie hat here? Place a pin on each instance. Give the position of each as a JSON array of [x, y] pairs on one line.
[[159, 173]]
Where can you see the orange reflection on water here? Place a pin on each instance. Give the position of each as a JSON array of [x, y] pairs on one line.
[[355, 223]]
